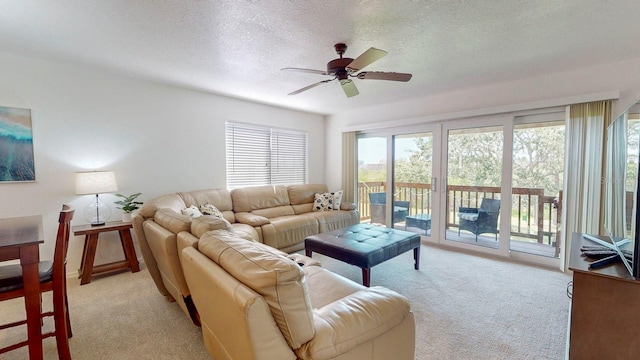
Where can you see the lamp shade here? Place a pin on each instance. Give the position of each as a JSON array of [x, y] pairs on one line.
[[95, 182]]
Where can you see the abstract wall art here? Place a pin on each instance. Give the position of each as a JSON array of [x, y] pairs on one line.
[[16, 145]]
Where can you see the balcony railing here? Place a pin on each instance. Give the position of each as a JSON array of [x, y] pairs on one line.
[[537, 214]]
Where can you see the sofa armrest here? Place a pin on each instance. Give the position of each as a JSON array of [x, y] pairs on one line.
[[172, 220], [205, 223], [353, 320], [348, 206], [251, 219]]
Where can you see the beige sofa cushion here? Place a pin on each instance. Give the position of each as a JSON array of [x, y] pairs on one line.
[[275, 212], [172, 220], [303, 194], [278, 279], [259, 197], [170, 201], [201, 225], [287, 231], [220, 198], [354, 320]]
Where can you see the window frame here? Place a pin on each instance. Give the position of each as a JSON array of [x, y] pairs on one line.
[[262, 155]]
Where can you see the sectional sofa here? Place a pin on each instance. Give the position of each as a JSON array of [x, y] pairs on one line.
[[279, 216], [237, 272]]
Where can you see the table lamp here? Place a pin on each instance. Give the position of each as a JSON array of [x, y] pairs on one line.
[[96, 182]]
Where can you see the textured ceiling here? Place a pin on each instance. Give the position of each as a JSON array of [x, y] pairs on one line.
[[238, 47]]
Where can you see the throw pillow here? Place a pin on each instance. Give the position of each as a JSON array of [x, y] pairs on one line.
[[192, 211], [337, 196], [209, 209], [327, 201]]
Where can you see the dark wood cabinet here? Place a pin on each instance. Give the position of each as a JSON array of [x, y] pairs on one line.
[[605, 309]]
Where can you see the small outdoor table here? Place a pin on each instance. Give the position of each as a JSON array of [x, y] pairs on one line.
[[421, 221]]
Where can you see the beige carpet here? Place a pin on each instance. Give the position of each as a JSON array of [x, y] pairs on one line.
[[466, 307]]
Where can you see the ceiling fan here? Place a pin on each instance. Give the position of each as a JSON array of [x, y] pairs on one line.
[[344, 68]]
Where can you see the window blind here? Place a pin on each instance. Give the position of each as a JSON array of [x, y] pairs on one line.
[[258, 155]]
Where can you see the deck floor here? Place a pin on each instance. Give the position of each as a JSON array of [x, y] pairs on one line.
[[489, 240]]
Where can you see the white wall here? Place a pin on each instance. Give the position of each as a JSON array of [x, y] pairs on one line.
[[621, 76], [157, 138]]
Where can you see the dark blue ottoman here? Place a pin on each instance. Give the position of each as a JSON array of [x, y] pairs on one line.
[[364, 245]]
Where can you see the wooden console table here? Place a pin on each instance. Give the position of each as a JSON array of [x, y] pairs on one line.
[[605, 309], [91, 233]]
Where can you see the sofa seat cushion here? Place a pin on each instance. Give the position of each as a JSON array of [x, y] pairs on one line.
[[266, 271], [326, 287], [286, 231], [334, 220], [354, 320], [468, 216]]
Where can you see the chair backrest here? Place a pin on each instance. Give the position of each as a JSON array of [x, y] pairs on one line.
[[62, 242], [378, 198], [490, 205], [402, 204]]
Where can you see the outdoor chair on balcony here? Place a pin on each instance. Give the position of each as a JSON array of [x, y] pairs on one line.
[[379, 209], [481, 220]]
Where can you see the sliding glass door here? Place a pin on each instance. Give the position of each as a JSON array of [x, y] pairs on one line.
[[413, 161], [407, 182], [474, 178], [372, 178], [491, 184], [536, 185]]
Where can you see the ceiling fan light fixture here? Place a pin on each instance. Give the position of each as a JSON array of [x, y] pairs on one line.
[[349, 87]]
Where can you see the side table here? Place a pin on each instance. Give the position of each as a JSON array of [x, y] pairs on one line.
[[91, 233], [422, 221]]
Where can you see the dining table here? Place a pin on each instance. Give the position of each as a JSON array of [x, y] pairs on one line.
[[20, 239]]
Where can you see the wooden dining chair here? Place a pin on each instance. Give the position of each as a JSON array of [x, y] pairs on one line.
[[52, 278]]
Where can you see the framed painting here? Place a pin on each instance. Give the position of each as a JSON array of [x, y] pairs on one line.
[[16, 145]]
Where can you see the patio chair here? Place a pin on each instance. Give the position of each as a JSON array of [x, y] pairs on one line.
[[481, 220], [379, 209]]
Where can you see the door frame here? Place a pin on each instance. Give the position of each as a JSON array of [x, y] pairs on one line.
[[506, 122], [435, 129]]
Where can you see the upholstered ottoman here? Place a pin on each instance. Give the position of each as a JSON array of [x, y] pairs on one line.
[[364, 245]]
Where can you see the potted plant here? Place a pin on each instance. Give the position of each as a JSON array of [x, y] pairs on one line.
[[127, 205]]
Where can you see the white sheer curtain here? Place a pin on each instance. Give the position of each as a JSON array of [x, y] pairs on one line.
[[349, 167], [614, 219], [582, 200]]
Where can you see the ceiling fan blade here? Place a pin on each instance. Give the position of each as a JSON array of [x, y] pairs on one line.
[[381, 75], [366, 58], [321, 72], [349, 87], [310, 87]]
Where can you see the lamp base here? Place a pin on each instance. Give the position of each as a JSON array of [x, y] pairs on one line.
[[97, 213]]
